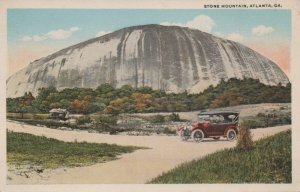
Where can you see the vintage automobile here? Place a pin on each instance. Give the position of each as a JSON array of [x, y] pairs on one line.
[[212, 124], [59, 114]]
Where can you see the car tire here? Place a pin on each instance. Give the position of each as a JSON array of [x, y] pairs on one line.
[[216, 138], [183, 136], [198, 135], [231, 135]]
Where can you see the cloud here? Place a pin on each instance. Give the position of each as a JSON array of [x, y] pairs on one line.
[[73, 29], [26, 38], [206, 24], [59, 34], [38, 38], [235, 37], [200, 22], [172, 24], [101, 33], [54, 34], [219, 34], [261, 30]]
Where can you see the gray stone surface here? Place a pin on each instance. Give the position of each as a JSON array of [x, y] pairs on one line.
[[170, 58]]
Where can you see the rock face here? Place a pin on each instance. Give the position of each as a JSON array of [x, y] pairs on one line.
[[169, 58]]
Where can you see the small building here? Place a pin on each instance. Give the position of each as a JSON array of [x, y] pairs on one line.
[[60, 114]]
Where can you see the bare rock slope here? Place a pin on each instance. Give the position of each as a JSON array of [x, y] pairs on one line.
[[169, 58]]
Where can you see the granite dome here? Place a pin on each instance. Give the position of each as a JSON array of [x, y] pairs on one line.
[[170, 58]]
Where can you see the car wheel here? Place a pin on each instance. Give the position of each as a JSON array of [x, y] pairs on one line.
[[216, 138], [197, 135], [183, 135], [231, 135]]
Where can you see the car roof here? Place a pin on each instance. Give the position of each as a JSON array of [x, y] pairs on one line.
[[58, 110], [219, 112]]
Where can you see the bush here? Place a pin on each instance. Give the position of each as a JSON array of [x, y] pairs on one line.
[[105, 123], [174, 117], [83, 120], [157, 119], [269, 119], [244, 139], [254, 123], [169, 131]]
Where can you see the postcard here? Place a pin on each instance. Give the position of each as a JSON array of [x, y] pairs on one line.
[[149, 95]]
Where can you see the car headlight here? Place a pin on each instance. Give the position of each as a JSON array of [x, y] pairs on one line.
[[189, 127]]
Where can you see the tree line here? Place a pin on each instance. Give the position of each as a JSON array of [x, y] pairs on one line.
[[107, 99]]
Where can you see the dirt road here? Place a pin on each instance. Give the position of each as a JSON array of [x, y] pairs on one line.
[[165, 153]]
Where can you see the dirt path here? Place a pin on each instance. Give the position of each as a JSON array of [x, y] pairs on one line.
[[138, 167]]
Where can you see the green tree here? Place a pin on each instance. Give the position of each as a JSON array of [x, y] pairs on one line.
[[41, 101], [117, 106], [125, 91], [24, 104], [104, 89], [142, 101], [81, 106]]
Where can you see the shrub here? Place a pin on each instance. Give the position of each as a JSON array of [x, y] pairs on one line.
[[174, 117], [83, 120], [244, 139], [169, 131], [269, 119], [254, 123], [157, 119], [105, 123]]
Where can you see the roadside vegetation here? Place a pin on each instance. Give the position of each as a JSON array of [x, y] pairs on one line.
[[244, 138], [137, 124], [268, 161], [109, 100], [105, 123], [26, 149], [268, 119]]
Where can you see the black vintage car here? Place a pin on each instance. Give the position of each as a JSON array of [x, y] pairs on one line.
[[59, 114]]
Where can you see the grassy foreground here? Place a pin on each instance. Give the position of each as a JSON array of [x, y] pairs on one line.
[[268, 162], [26, 149]]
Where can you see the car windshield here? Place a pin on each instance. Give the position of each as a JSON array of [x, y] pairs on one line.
[[218, 118]]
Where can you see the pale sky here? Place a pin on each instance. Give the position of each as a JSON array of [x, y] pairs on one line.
[[36, 33]]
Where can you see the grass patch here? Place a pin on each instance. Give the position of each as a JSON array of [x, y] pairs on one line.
[[24, 149], [26, 116], [154, 118], [268, 162], [102, 124], [48, 123]]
